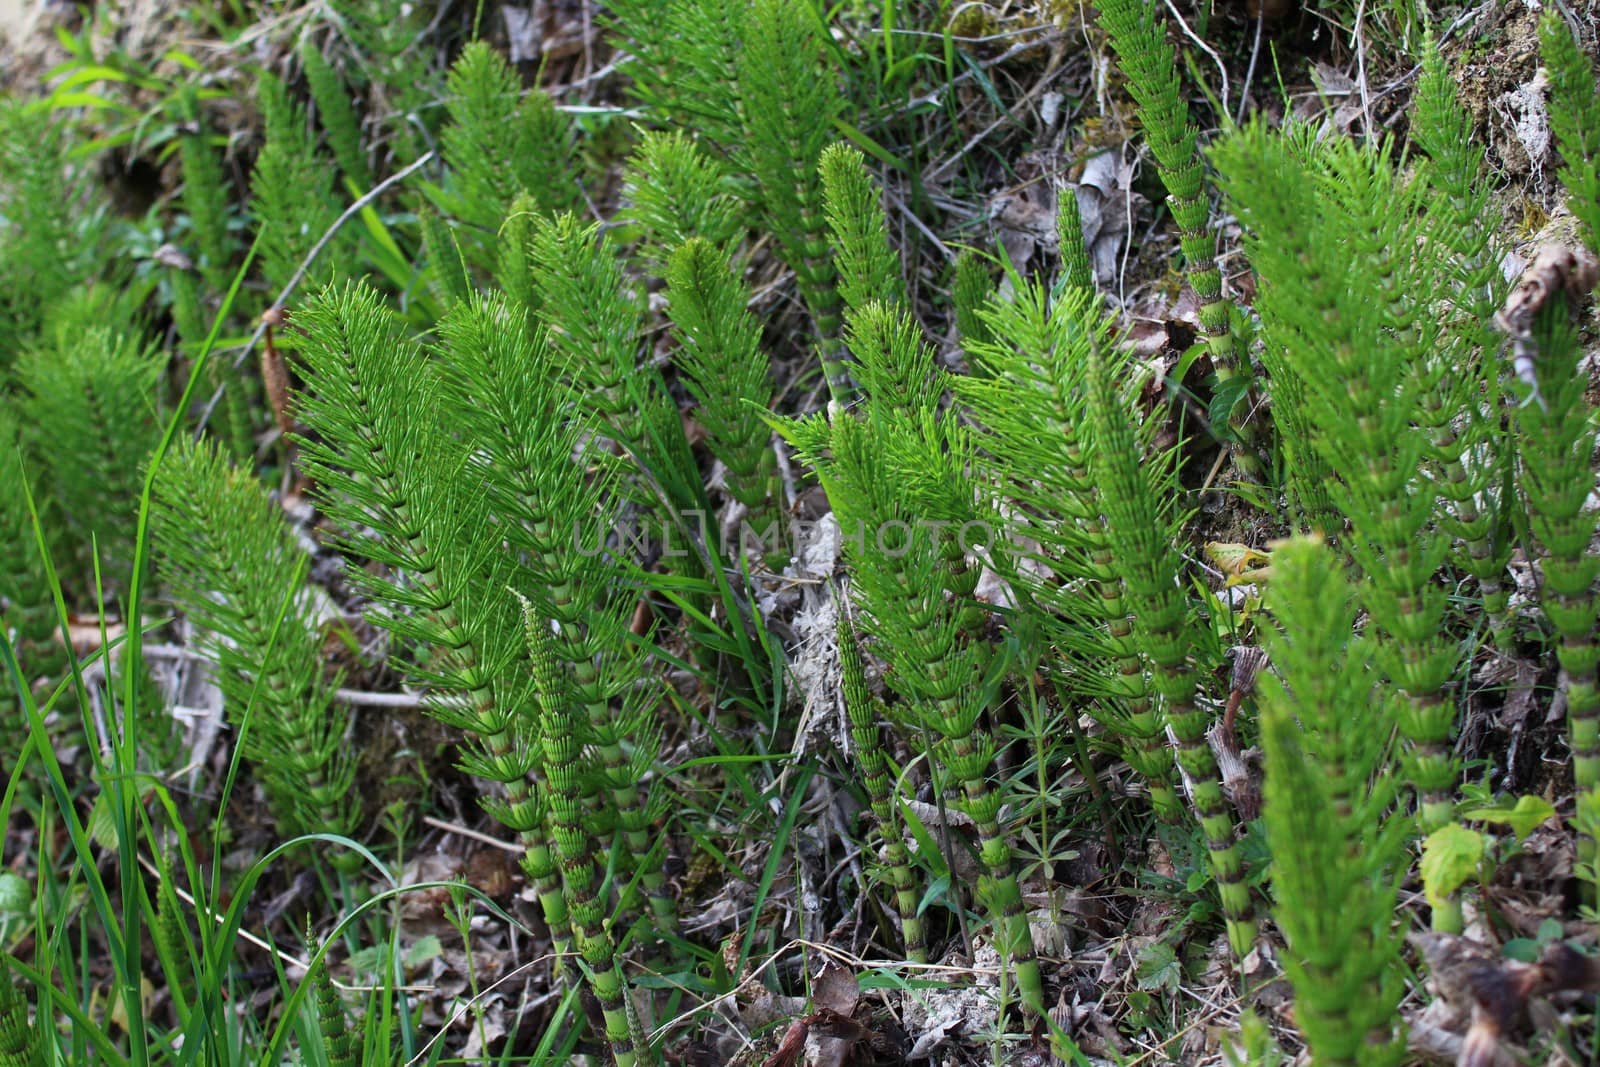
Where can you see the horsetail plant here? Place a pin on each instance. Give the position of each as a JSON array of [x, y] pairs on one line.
[[725, 368], [674, 190], [498, 144], [48, 250], [230, 559], [513, 268], [896, 475], [19, 1043], [1459, 391], [790, 99], [864, 710], [1136, 501], [1029, 397], [868, 267], [1351, 344], [336, 114], [91, 385], [340, 1040], [594, 316], [291, 193], [1556, 438], [400, 489], [29, 612], [591, 315], [1575, 121], [1151, 67], [968, 293], [684, 62], [1338, 848], [1555, 423], [205, 198], [501, 385]]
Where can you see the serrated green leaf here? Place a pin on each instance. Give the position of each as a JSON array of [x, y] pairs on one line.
[[1158, 968], [1523, 817], [1450, 855]]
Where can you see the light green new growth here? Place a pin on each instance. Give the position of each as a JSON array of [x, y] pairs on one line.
[[501, 143], [337, 115], [231, 560], [674, 191], [1151, 67], [1349, 288], [868, 267], [1338, 850], [864, 711], [513, 269], [1575, 121], [790, 98], [1136, 495]]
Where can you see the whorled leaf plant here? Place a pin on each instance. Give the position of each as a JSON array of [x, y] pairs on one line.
[[724, 366], [864, 711], [1349, 284], [1555, 422], [1338, 847], [500, 143], [463, 478], [400, 488], [533, 451], [789, 99], [1028, 395], [230, 559], [1141, 522], [1460, 387], [1150, 64], [896, 475]]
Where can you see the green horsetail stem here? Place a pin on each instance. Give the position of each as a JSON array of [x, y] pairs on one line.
[[561, 748], [862, 709], [1150, 64], [1149, 564]]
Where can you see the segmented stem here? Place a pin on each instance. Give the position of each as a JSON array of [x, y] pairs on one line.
[[862, 709], [562, 752], [1557, 441], [1149, 564]]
